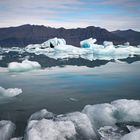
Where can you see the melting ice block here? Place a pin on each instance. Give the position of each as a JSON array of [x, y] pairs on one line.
[[118, 111], [50, 130], [7, 129], [10, 92], [77, 122], [25, 65]]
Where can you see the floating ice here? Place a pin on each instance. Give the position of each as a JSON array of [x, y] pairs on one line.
[[87, 43], [41, 114], [81, 123], [118, 111], [7, 129], [135, 135], [127, 110], [101, 121], [53, 42], [25, 65], [53, 47], [50, 130], [10, 92], [100, 114], [20, 138]]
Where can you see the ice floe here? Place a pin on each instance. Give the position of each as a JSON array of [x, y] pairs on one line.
[[7, 129], [10, 92], [25, 65]]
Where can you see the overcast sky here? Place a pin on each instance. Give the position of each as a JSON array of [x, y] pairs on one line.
[[109, 14]]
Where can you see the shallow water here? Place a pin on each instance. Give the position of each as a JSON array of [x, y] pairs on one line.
[[66, 85]]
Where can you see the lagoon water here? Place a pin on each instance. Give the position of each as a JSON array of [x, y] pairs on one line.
[[63, 86]]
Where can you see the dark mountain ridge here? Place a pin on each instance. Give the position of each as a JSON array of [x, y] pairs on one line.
[[23, 35]]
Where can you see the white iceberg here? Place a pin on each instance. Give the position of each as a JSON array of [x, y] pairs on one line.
[[135, 135], [54, 42], [10, 92], [7, 129], [107, 51], [25, 65]]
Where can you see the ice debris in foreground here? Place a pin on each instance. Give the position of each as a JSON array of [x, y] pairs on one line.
[[109, 114], [101, 121], [95, 122], [7, 129], [45, 125], [25, 65], [10, 92]]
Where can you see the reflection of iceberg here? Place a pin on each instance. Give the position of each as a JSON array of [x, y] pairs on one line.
[[26, 65], [88, 50]]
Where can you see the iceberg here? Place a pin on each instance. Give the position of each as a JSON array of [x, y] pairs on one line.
[[7, 129], [25, 65], [106, 51], [10, 92], [87, 43]]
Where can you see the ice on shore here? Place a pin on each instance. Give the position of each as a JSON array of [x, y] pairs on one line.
[[25, 65], [109, 114], [7, 129], [50, 130], [135, 135], [10, 92], [102, 121]]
